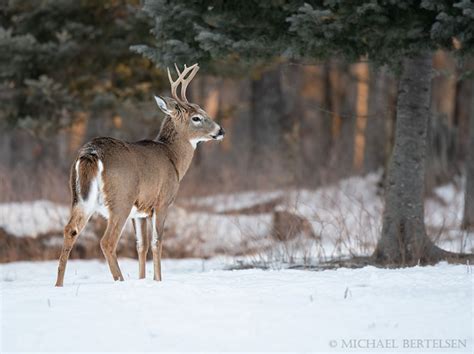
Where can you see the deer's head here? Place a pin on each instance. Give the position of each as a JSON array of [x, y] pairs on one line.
[[189, 120]]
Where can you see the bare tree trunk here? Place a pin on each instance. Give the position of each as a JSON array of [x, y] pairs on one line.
[[326, 117], [380, 126], [444, 86], [404, 240], [316, 123], [293, 81], [335, 104], [272, 130], [468, 219], [441, 160], [341, 102], [361, 71], [266, 111]]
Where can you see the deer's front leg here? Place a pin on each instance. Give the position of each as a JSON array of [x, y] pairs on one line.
[[158, 221]]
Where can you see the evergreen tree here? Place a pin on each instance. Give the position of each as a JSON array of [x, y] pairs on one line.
[[402, 34], [58, 56]]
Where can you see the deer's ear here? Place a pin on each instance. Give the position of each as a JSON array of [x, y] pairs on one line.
[[165, 104]]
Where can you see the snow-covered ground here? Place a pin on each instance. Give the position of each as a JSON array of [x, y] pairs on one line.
[[346, 216], [200, 306]]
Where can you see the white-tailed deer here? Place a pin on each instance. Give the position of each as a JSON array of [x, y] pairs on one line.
[[139, 180]]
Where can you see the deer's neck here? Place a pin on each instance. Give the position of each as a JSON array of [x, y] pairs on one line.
[[179, 149]]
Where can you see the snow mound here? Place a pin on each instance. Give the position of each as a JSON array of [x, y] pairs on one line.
[[33, 218]]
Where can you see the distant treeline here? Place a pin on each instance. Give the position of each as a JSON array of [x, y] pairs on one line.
[[67, 74]]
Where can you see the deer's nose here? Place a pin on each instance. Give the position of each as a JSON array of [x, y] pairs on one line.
[[221, 131]]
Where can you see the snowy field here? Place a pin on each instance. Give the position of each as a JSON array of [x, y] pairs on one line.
[[200, 306], [204, 306]]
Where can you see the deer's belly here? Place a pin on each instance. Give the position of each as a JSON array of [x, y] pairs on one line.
[[135, 213], [102, 209]]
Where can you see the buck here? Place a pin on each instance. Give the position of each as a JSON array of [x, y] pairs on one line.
[[137, 181]]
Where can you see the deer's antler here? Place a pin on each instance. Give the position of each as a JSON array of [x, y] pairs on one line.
[[190, 72]]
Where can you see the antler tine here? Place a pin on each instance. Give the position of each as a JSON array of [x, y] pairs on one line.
[[185, 82], [177, 70], [174, 85], [182, 80]]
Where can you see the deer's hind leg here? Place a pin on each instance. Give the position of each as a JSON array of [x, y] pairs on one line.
[[78, 220], [158, 225], [110, 240], [139, 224]]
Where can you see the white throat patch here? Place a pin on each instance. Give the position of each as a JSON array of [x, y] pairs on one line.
[[194, 142]]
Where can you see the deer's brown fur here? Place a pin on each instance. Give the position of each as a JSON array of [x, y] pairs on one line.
[[137, 180]]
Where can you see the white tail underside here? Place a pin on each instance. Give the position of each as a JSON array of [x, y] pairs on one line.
[[95, 201]]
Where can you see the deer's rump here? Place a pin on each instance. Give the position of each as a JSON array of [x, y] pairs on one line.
[[86, 180], [110, 173]]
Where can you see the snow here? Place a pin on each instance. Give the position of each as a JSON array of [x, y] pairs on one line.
[[200, 306], [33, 218], [224, 202], [347, 216]]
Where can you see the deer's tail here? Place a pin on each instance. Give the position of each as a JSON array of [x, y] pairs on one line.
[[84, 175]]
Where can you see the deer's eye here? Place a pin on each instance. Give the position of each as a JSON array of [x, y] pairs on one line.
[[196, 119]]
